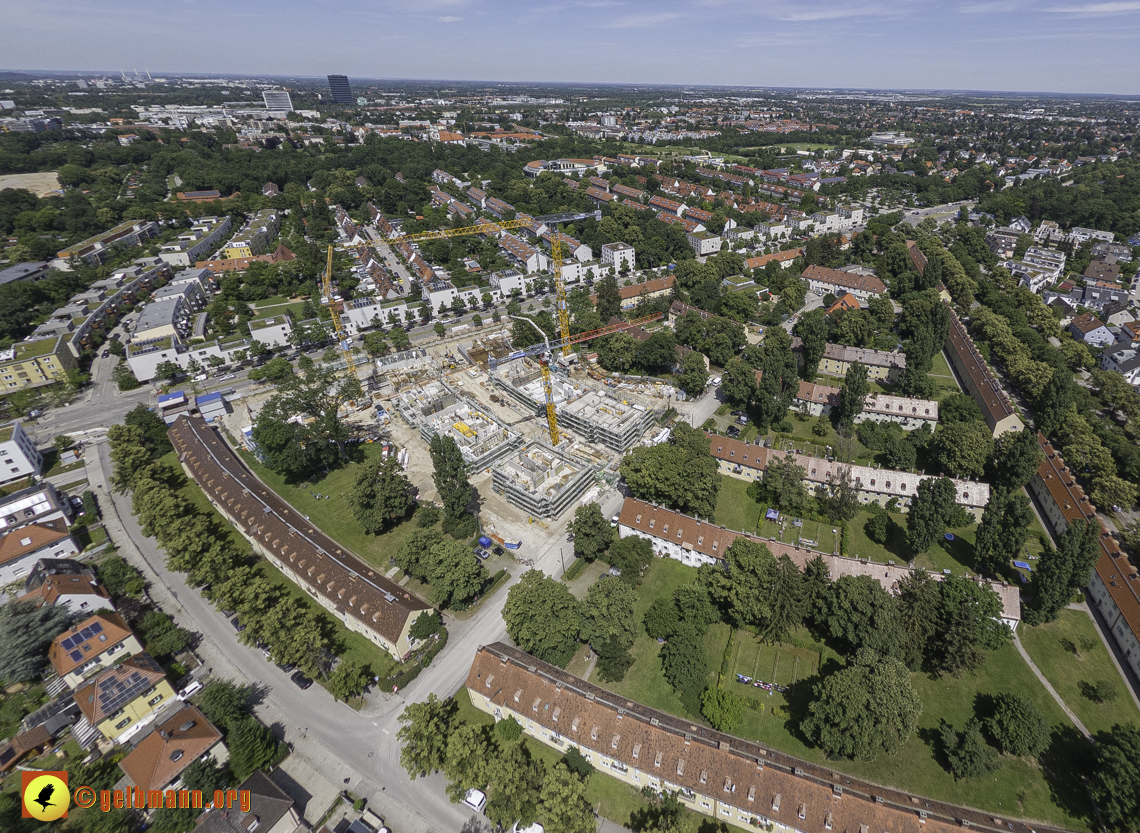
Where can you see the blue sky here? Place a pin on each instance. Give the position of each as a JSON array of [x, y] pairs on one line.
[[1047, 45]]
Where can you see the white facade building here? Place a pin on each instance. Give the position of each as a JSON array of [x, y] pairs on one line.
[[197, 243], [704, 243], [19, 456], [272, 332], [618, 255]]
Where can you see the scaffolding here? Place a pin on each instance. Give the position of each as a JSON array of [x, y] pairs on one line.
[[543, 481]]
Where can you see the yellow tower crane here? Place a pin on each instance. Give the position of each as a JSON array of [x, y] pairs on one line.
[[343, 340]]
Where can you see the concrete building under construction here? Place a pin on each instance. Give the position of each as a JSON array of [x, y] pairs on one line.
[[595, 416], [436, 409], [541, 480]]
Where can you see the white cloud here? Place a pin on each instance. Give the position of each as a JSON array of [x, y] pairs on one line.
[[447, 18], [635, 21], [1097, 9]]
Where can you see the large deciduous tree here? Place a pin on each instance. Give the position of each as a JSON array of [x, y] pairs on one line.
[[381, 496], [1115, 778], [450, 478], [812, 330], [592, 532], [867, 709], [424, 735], [680, 473], [543, 618], [931, 509], [855, 390], [1003, 530]]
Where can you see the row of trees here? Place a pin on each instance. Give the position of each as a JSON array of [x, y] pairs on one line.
[[520, 788], [295, 630]]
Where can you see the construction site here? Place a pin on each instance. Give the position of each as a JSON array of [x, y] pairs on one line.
[[615, 420], [435, 408], [541, 480]]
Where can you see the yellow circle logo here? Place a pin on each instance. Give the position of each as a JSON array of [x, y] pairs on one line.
[[47, 798]]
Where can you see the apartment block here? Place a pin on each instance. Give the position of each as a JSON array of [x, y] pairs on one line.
[[735, 781], [19, 457], [272, 332], [99, 249], [541, 480], [978, 380], [254, 237], [197, 243], [32, 364], [365, 600]]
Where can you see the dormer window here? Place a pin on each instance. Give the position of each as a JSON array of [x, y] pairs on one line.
[[615, 741], [594, 733], [657, 759], [176, 755]]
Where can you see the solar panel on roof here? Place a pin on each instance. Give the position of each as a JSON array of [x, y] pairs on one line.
[[96, 628], [76, 656], [67, 643]]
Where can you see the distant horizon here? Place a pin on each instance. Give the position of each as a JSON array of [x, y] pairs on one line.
[[1063, 47], [943, 91]]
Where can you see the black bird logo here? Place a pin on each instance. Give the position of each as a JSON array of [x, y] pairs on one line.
[[45, 794]]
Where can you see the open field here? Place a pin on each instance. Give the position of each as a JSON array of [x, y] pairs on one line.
[[41, 184], [1050, 791], [331, 510], [1072, 657]]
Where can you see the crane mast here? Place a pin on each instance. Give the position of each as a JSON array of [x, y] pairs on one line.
[[343, 341]]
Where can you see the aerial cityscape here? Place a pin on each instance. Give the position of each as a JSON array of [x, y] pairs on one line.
[[643, 450]]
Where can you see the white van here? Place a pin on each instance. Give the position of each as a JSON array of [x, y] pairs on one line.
[[476, 800]]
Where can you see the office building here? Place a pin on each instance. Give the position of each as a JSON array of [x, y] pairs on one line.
[[340, 89], [278, 101]]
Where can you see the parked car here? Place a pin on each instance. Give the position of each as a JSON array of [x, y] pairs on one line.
[[476, 800], [229, 376], [733, 431], [104, 354], [740, 413], [614, 520], [238, 626], [742, 420], [286, 667], [300, 680]]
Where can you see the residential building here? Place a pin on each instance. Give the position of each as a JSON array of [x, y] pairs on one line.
[[846, 303], [784, 259], [353, 591], [907, 412], [98, 249], [618, 255], [340, 90], [822, 281], [1078, 235], [524, 254], [254, 237], [123, 700], [278, 101], [270, 811], [635, 293], [743, 461], [704, 243], [976, 378], [1122, 253], [34, 504], [160, 758], [31, 272], [33, 364], [1126, 362], [198, 242], [735, 781], [33, 742], [19, 457], [542, 481], [273, 331], [21, 548], [570, 247], [883, 365], [1114, 587], [668, 206], [814, 399], [91, 645], [1104, 268], [1091, 330], [64, 582]]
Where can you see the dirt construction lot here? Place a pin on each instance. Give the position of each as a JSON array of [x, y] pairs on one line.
[[41, 184]]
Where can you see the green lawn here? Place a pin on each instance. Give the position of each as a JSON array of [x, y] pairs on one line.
[[1021, 787], [956, 556], [1059, 649], [355, 645], [736, 510], [332, 513]]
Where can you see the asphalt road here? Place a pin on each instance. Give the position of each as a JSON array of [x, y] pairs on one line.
[[337, 741]]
